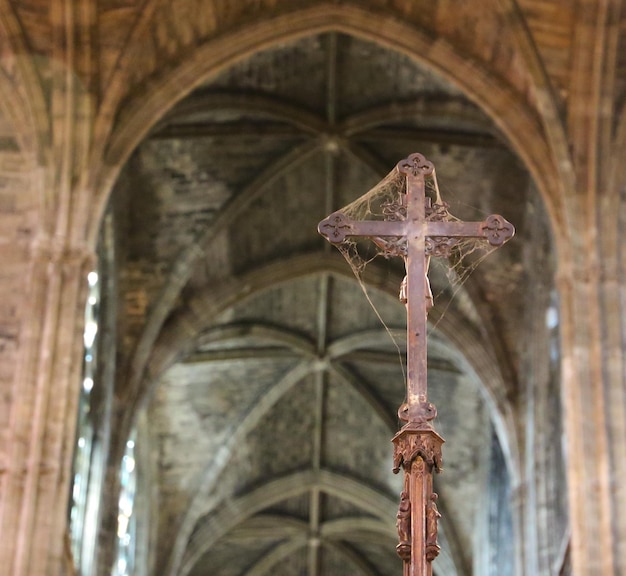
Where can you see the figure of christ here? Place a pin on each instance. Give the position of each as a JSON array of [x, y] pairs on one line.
[[388, 247], [427, 290]]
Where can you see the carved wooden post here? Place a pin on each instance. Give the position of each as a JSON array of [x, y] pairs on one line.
[[417, 451]]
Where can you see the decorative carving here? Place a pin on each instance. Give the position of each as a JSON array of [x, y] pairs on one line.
[[393, 211], [416, 468], [437, 212], [335, 228], [440, 246], [415, 164], [403, 524], [391, 246], [408, 444], [497, 230], [432, 519]]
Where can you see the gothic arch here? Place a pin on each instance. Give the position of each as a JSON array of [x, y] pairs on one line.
[[139, 367], [516, 118], [511, 113], [306, 366], [124, 140], [308, 123], [182, 330], [192, 321], [226, 518]]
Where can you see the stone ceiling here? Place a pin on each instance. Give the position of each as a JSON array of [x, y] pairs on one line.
[[270, 420]]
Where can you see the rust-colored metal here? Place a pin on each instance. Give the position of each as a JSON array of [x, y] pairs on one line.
[[416, 230]]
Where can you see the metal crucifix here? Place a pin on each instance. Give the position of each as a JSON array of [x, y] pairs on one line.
[[416, 230]]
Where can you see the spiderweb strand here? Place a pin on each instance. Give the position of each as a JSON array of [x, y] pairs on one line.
[[387, 201]]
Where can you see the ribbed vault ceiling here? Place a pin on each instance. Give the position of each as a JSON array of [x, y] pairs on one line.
[[273, 385]]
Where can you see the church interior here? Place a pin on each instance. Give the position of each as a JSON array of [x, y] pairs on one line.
[[194, 382]]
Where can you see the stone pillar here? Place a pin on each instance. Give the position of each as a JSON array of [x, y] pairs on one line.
[[593, 319], [589, 389], [544, 487], [611, 281], [40, 439]]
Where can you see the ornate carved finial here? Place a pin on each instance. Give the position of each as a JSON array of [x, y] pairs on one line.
[[415, 440], [497, 230], [335, 228], [415, 164]]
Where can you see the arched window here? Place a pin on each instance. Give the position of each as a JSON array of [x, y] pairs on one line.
[[126, 518], [79, 514]]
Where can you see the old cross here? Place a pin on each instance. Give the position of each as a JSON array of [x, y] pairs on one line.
[[416, 230]]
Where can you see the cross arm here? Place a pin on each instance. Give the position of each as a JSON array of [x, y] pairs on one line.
[[337, 227], [495, 229]]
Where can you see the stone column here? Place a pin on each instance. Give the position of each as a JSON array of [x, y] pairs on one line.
[[589, 388], [544, 485], [611, 279], [40, 440]]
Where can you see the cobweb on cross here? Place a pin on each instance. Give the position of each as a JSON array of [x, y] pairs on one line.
[[387, 201]]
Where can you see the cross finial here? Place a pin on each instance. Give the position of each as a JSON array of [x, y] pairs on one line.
[[415, 164]]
